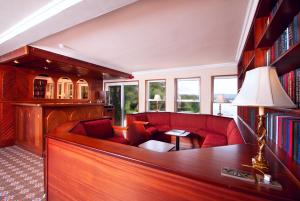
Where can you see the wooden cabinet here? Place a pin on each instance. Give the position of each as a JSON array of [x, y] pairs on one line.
[[266, 44], [33, 121]]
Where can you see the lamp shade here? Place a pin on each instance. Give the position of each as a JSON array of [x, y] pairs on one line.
[[262, 87], [220, 98], [157, 97]]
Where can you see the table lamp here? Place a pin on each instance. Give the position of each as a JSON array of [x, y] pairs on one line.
[[157, 98], [220, 99], [261, 88]]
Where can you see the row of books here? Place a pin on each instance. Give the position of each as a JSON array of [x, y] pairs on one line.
[[286, 40], [291, 84], [284, 131]]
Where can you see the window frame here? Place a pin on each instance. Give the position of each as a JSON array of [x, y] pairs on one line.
[[213, 87], [176, 94], [147, 94]]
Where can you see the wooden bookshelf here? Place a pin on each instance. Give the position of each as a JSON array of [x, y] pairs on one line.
[[284, 14], [264, 32]]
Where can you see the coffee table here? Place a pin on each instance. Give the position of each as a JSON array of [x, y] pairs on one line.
[[178, 134], [158, 146]]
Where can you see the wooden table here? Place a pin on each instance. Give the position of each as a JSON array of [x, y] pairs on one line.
[[158, 146], [175, 132]]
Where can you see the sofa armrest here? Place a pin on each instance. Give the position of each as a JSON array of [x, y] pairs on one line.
[[120, 131]]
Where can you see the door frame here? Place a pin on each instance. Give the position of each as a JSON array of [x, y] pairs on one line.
[[122, 84]]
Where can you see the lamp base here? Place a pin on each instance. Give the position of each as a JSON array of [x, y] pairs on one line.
[[259, 164]]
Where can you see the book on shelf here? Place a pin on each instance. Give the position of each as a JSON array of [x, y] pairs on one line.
[[285, 41], [291, 84], [284, 131]]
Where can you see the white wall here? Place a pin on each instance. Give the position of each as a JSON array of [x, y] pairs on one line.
[[204, 72]]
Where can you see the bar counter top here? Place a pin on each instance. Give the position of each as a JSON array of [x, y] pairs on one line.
[[48, 104], [200, 165]]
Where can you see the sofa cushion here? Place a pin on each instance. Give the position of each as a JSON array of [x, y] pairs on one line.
[[217, 124], [202, 133], [137, 134], [233, 134], [163, 128], [151, 130], [78, 129], [118, 139], [136, 117], [101, 128], [213, 140], [188, 121], [158, 118]]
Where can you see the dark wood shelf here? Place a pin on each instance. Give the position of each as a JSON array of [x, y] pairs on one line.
[[265, 7], [284, 15], [250, 65], [285, 110], [288, 61]]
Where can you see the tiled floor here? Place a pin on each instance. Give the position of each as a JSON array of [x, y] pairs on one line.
[[21, 175]]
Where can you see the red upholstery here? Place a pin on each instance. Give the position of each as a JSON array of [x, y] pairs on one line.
[[233, 134], [215, 130], [101, 128], [136, 117], [217, 124], [191, 121], [78, 129], [118, 139], [159, 118], [213, 140]]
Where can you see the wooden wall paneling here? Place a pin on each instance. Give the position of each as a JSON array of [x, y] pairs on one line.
[[53, 119], [29, 128], [260, 28]]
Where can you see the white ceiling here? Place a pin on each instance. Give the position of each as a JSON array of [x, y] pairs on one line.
[[146, 35], [12, 11]]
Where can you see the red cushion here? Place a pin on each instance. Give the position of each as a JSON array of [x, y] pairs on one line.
[[130, 118], [151, 130], [233, 134], [101, 128], [78, 129], [118, 139], [163, 128], [213, 140], [202, 133], [188, 121], [158, 118], [217, 124], [137, 134]]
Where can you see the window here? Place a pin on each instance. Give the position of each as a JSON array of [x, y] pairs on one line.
[[156, 95], [225, 90], [188, 95]]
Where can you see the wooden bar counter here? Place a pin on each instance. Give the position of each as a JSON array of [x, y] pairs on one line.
[[83, 168], [34, 120]]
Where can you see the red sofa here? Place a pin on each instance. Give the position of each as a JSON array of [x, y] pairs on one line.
[[101, 129], [214, 130]]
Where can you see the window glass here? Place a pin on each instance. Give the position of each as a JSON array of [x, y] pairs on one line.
[[225, 90], [188, 95], [156, 95]]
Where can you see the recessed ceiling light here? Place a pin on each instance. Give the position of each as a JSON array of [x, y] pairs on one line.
[[45, 67], [60, 45], [48, 61], [42, 14], [16, 61]]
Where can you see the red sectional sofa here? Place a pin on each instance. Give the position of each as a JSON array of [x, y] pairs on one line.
[[214, 130], [101, 129]]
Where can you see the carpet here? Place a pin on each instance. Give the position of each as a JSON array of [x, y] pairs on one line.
[[21, 175]]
